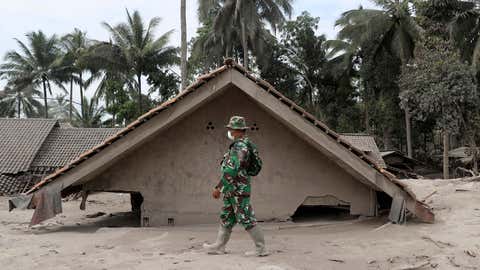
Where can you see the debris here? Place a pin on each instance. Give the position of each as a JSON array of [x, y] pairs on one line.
[[372, 261], [462, 190], [452, 261], [98, 214], [337, 260], [398, 210], [470, 253], [383, 226], [414, 266], [429, 195], [439, 244], [104, 246]]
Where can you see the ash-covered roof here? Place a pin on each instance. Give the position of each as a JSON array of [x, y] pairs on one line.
[[367, 144], [33, 148], [20, 140], [66, 144]]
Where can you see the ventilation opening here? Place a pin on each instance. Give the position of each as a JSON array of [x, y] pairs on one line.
[[324, 208], [210, 126]]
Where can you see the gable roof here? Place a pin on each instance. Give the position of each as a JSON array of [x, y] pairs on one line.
[[65, 144], [20, 140], [367, 144], [355, 159], [33, 148]]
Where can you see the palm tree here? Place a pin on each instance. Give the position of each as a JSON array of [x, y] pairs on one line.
[[244, 19], [60, 107], [37, 64], [134, 49], [183, 57], [21, 100], [92, 116], [391, 29], [76, 45], [465, 31]]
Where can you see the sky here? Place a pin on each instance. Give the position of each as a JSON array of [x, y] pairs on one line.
[[62, 16]]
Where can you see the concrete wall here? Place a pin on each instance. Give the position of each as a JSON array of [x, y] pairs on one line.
[[176, 171]]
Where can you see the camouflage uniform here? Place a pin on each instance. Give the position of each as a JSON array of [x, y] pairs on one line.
[[239, 163], [235, 185]]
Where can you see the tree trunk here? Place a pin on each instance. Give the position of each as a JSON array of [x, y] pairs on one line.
[[387, 138], [183, 64], [446, 148], [139, 80], [408, 129], [82, 105], [18, 105], [244, 46], [45, 98], [473, 146], [367, 118], [70, 109]]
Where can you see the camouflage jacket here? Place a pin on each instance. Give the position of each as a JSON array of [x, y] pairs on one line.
[[235, 180]]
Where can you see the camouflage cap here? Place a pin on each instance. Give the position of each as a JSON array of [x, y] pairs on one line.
[[237, 122]]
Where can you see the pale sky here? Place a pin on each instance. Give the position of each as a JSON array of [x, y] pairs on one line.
[[62, 16]]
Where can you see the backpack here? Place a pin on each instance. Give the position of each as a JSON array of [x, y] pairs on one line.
[[255, 162]]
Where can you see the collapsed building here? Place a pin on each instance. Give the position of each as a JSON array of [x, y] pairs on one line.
[[169, 158]]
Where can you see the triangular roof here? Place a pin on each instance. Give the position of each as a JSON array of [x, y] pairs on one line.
[[354, 160]]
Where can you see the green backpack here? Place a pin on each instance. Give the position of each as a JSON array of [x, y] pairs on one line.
[[255, 162]]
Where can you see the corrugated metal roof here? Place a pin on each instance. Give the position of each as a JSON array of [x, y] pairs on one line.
[[367, 144], [65, 144], [20, 140]]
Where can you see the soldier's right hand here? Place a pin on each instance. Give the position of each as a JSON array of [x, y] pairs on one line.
[[216, 193]]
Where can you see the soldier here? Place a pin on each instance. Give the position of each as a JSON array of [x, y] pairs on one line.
[[239, 164]]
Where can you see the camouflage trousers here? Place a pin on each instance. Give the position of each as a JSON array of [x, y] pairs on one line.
[[237, 209]]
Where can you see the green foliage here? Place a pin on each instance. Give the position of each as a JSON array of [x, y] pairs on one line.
[[36, 65], [299, 67], [240, 23], [438, 85], [91, 116]]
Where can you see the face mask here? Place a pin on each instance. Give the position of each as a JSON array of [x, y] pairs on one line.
[[230, 136]]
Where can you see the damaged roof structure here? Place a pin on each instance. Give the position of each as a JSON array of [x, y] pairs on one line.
[[170, 156], [33, 148]]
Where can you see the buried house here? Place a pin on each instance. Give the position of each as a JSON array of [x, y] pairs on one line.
[[171, 155]]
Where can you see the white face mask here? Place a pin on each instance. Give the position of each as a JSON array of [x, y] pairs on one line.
[[230, 136]]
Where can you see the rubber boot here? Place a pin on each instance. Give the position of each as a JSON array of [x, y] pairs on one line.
[[257, 237], [218, 247]]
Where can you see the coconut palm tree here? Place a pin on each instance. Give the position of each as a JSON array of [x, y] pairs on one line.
[[37, 64], [244, 20], [391, 28], [76, 45], [92, 116], [21, 100], [183, 57], [134, 50], [465, 31]]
